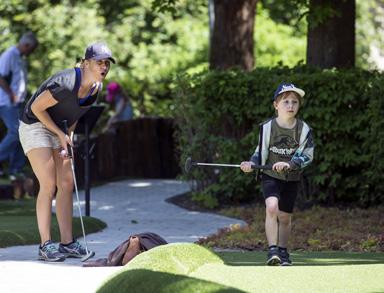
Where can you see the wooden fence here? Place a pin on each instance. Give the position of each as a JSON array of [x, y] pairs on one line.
[[141, 148]]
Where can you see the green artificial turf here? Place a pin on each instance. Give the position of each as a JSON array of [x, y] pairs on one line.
[[186, 267], [311, 272], [18, 224], [166, 268]]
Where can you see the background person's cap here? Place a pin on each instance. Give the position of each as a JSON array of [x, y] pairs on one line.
[[287, 87], [113, 88], [98, 51]]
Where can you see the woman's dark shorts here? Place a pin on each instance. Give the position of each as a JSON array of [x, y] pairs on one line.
[[285, 191]]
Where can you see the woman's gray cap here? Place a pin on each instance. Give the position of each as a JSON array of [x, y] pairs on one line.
[[98, 51]]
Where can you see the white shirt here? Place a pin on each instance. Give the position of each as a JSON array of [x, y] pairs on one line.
[[12, 62]]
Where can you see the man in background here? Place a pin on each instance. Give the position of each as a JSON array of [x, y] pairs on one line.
[[13, 90]]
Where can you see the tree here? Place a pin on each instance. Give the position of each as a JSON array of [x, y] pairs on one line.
[[149, 47], [331, 33], [232, 25], [232, 42]]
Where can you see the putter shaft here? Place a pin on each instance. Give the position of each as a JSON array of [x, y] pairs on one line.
[[217, 165]]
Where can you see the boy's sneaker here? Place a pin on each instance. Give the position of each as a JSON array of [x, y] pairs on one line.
[[49, 252], [73, 249], [284, 256], [273, 258]]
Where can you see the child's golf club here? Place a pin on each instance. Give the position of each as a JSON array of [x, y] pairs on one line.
[[189, 164], [70, 155]]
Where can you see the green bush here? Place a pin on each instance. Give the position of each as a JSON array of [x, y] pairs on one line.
[[218, 113]]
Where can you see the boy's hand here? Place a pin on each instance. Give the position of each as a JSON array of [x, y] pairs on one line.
[[280, 166], [246, 166]]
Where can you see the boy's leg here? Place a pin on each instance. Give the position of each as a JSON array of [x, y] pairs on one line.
[[284, 228], [272, 230], [271, 224], [271, 193], [284, 233], [286, 204]]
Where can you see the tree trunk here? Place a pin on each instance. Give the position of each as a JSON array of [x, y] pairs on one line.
[[231, 43], [331, 43]]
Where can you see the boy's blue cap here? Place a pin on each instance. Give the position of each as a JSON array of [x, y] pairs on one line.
[[287, 87], [98, 51]]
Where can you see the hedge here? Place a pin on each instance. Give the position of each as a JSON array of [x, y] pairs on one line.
[[218, 113]]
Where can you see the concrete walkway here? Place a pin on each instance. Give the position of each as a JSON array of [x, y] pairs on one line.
[[128, 207]]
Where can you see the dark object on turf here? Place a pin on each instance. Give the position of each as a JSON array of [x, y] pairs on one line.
[[70, 155], [189, 164], [127, 250]]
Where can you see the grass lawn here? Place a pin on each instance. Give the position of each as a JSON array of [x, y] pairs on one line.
[[186, 267], [18, 224]]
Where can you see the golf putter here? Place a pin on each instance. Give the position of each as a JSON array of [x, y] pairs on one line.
[[70, 155], [189, 164]]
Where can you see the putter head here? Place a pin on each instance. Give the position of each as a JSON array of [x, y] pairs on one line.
[[188, 164], [88, 256]]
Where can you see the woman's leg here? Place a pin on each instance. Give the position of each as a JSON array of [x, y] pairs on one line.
[[43, 166], [64, 202], [271, 222]]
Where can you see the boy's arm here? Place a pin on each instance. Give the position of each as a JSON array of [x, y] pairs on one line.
[[246, 166], [304, 155], [255, 157]]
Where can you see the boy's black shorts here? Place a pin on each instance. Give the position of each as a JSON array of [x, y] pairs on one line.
[[285, 191]]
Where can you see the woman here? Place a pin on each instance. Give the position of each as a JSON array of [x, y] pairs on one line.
[[67, 95], [122, 105]]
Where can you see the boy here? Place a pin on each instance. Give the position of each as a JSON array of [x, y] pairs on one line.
[[285, 142]]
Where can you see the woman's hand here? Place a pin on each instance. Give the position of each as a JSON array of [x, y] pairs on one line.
[[246, 166], [65, 140], [280, 166]]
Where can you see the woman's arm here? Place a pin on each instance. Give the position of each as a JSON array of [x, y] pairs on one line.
[[120, 105], [39, 107], [71, 130]]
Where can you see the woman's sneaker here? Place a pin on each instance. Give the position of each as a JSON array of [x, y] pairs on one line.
[[284, 256], [49, 252], [273, 258], [73, 249]]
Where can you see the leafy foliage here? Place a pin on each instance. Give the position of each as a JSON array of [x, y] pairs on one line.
[[286, 12], [369, 34], [152, 45], [218, 115], [278, 44], [315, 229], [148, 46]]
